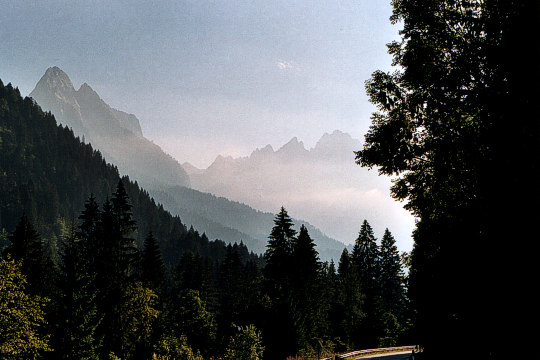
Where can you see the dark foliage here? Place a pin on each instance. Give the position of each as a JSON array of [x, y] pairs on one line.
[[459, 125]]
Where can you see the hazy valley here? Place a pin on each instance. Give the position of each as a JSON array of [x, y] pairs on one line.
[[118, 136]]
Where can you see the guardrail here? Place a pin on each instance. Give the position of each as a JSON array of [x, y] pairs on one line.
[[371, 351]]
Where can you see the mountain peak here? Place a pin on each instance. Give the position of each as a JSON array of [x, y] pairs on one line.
[[260, 152], [55, 80], [86, 90], [337, 138], [56, 72], [293, 145]]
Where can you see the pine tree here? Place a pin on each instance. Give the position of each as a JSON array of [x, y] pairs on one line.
[[305, 259], [280, 331], [89, 231], [349, 301], [126, 226], [391, 277], [279, 248], [76, 314], [306, 287], [365, 258], [231, 286], [25, 245], [113, 266], [152, 266]]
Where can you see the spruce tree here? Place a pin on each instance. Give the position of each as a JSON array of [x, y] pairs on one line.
[[126, 226], [365, 258], [89, 231], [280, 333], [391, 277], [152, 266], [25, 245], [305, 259], [231, 286], [349, 302], [279, 248], [76, 314], [306, 288]]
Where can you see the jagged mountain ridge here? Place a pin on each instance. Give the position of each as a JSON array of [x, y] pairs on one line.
[[322, 185], [112, 131], [116, 134]]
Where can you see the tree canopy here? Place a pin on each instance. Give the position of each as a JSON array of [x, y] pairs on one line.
[[458, 129]]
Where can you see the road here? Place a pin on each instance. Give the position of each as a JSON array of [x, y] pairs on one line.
[[405, 355]]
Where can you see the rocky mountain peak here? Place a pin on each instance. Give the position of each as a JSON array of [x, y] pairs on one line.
[[293, 147], [56, 82], [116, 134]]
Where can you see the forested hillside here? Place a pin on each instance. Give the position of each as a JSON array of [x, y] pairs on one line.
[[230, 220], [94, 269], [48, 174]]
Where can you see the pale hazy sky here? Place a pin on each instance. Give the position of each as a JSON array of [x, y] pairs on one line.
[[209, 77]]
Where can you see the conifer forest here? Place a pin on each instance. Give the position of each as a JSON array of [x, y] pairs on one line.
[[92, 267]]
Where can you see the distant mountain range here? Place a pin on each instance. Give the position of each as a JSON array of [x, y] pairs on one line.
[[322, 185], [118, 136]]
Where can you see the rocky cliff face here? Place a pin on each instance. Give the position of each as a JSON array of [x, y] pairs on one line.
[[116, 134]]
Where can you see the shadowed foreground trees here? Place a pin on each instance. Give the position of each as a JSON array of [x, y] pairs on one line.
[[458, 125], [202, 309]]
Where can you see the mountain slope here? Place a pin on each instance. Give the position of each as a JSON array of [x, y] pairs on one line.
[[116, 134], [48, 174], [243, 222]]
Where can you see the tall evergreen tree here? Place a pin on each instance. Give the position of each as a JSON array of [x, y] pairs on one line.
[[126, 226], [89, 231], [279, 248], [349, 305], [152, 266], [306, 284], [391, 277], [392, 284], [76, 314], [280, 333], [114, 267], [365, 258], [25, 245], [305, 259], [231, 285]]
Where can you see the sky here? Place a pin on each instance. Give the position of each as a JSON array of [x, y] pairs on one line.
[[209, 77]]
